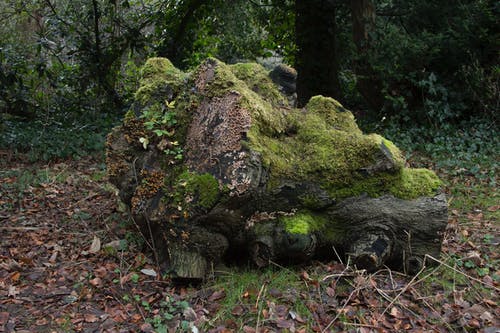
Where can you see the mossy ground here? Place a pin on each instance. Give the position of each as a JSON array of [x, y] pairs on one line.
[[65, 197]]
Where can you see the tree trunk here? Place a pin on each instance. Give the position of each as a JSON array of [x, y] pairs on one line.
[[316, 59], [173, 47], [363, 25], [257, 178]]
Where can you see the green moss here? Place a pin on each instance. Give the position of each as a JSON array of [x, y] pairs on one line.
[[301, 223], [334, 153], [156, 69], [266, 119], [394, 151], [130, 115], [338, 153], [405, 184], [413, 183], [204, 188], [333, 113], [305, 222], [158, 74], [310, 201], [257, 79]]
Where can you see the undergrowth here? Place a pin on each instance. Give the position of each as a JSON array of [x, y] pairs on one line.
[[58, 137]]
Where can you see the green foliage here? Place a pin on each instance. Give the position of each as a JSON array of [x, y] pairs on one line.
[[435, 60], [471, 147], [53, 137]]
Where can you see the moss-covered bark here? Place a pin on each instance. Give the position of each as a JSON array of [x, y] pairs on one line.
[[220, 156]]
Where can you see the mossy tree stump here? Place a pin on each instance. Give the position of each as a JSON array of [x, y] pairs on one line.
[[217, 163]]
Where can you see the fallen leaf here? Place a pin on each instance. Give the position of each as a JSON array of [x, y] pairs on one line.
[[305, 276], [147, 328], [282, 323], [217, 295], [4, 318], [136, 318], [149, 272], [41, 322], [15, 276], [248, 329], [487, 317], [395, 312], [53, 257], [95, 282], [13, 291], [238, 310], [493, 208], [474, 323], [90, 318], [95, 246]]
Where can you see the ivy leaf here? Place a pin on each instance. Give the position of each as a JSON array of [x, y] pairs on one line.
[[170, 105], [159, 132], [145, 142]]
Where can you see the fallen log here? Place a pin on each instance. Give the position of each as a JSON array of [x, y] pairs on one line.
[[218, 163]]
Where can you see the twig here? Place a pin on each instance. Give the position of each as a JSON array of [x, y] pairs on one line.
[[88, 197], [257, 306], [361, 325], [419, 297], [388, 298], [339, 312], [337, 254], [462, 273], [402, 291], [24, 228]]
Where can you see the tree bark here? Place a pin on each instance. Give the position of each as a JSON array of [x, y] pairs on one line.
[[363, 25], [262, 180], [316, 59], [172, 49]]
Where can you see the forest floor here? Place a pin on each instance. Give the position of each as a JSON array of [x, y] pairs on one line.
[[71, 260]]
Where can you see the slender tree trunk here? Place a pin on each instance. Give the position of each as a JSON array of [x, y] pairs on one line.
[[104, 63], [316, 60], [363, 23], [172, 49]]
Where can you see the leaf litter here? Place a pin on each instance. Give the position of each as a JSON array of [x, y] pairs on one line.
[[57, 276]]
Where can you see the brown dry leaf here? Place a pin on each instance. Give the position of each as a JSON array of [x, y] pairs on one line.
[[95, 246], [396, 313], [136, 318], [95, 282], [4, 318], [147, 328], [90, 318], [248, 329], [41, 322], [13, 291], [474, 323], [217, 295], [238, 310], [493, 208], [15, 276], [283, 323], [305, 276]]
